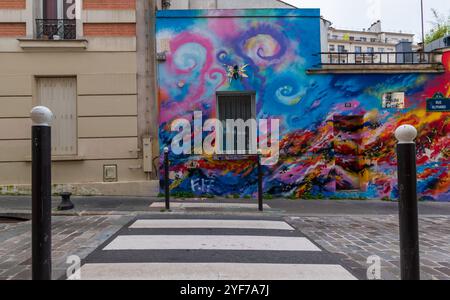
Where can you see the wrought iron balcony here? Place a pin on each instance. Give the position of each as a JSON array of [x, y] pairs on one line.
[[378, 58], [56, 29]]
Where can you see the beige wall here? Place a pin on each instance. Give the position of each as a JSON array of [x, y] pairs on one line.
[[106, 110], [105, 66]]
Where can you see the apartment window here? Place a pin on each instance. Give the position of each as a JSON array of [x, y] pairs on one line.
[[60, 95], [332, 48], [58, 20], [58, 9], [352, 38], [363, 39], [358, 49], [233, 107], [341, 49], [370, 49], [373, 40], [335, 37], [380, 49]]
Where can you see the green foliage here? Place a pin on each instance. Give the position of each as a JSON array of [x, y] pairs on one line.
[[308, 196], [441, 27], [183, 195], [292, 197], [268, 196]]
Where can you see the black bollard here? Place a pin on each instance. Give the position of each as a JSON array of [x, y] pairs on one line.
[[408, 208], [65, 204], [41, 194], [166, 178], [260, 183]]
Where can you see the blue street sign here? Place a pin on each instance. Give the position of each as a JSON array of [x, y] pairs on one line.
[[438, 104]]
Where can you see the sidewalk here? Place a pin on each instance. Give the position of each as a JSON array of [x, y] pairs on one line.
[[70, 236], [21, 205], [357, 238]]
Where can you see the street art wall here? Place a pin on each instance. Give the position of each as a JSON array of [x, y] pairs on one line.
[[337, 137]]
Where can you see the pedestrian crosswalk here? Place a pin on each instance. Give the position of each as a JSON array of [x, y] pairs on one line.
[[211, 248]]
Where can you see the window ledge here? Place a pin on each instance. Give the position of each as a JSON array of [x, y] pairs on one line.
[[378, 69], [62, 158], [38, 44]]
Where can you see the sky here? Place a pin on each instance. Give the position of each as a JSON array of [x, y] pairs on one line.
[[395, 15]]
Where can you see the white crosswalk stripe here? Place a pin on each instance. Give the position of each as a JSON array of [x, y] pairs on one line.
[[177, 248], [214, 271], [237, 224], [211, 242]]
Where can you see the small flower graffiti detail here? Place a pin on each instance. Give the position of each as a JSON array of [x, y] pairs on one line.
[[336, 139]]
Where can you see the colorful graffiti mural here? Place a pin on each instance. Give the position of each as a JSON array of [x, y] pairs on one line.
[[336, 139]]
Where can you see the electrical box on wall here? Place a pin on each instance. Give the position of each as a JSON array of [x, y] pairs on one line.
[[110, 173], [147, 155]]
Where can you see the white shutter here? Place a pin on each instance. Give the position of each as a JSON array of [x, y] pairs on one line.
[[60, 95]]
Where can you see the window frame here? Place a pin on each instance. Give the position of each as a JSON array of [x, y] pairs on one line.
[[341, 47], [38, 101], [252, 95]]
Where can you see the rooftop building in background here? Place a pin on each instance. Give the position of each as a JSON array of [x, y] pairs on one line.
[[371, 40]]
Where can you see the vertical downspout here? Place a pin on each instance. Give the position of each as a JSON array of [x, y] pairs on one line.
[[147, 108]]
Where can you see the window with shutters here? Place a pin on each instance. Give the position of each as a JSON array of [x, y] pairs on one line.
[[233, 108], [60, 96]]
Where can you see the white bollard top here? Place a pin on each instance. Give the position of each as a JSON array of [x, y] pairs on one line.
[[406, 134], [166, 149], [41, 116]]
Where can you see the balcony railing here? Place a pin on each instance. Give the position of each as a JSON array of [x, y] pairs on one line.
[[56, 29], [377, 58]]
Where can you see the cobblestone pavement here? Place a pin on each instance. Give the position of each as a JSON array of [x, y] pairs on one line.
[[70, 236], [356, 238]]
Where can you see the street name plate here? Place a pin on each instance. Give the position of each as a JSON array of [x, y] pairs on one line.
[[438, 104]]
